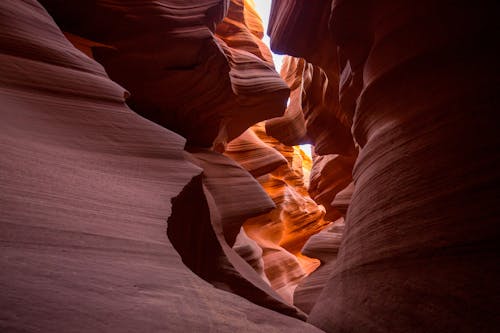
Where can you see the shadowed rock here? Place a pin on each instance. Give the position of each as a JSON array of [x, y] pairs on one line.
[[417, 80], [86, 186]]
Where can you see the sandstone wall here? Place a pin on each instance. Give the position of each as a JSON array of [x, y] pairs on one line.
[[421, 234], [88, 185]]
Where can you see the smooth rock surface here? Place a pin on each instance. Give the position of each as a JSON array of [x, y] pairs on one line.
[[330, 174], [188, 66], [418, 82], [325, 247], [86, 186]]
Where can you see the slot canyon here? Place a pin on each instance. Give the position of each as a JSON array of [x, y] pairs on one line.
[[152, 177]]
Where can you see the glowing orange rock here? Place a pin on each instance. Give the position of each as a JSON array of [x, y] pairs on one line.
[[282, 232], [253, 154]]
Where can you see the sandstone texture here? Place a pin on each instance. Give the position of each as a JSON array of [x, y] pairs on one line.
[[282, 232], [87, 188], [195, 67], [420, 249], [151, 178], [313, 114], [324, 246]]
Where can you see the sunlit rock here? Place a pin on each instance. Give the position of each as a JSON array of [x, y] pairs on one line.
[[282, 232]]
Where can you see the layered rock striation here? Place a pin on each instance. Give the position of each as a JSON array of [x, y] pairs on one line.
[[88, 185], [195, 67], [283, 231], [421, 233], [199, 220]]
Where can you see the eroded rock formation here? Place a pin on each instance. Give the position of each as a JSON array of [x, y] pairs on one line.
[[219, 203], [87, 186], [187, 65], [324, 246], [283, 231], [111, 222], [422, 227], [314, 115]]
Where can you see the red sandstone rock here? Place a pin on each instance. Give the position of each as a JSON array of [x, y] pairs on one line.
[[330, 175], [324, 246], [254, 155], [237, 194], [208, 88], [86, 184], [419, 251], [251, 252], [242, 30], [85, 192], [313, 114], [219, 202], [282, 232], [290, 129], [292, 33], [342, 199]]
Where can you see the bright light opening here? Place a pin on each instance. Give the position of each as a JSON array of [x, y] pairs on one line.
[[263, 7], [307, 149]]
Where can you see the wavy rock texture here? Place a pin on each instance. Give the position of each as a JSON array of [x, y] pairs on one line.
[[313, 114], [242, 30], [282, 232], [291, 33], [86, 186], [290, 129], [254, 155], [290, 25], [238, 47], [342, 199], [225, 195], [330, 175], [167, 55], [251, 252], [421, 241], [324, 246]]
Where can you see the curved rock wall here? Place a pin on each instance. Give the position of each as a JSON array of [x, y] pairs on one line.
[[113, 223], [153, 74], [314, 115], [224, 195], [283, 231], [168, 55], [421, 231], [87, 184], [324, 246]]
